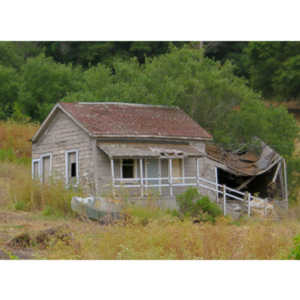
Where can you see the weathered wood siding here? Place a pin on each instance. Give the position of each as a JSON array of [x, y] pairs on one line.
[[62, 135]]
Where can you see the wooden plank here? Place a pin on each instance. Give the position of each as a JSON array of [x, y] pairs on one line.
[[245, 183]]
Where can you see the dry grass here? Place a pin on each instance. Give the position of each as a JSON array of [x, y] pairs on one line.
[[15, 137], [21, 192], [167, 238]]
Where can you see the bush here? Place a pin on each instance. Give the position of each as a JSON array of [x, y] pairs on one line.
[[295, 252], [192, 204], [143, 215], [20, 205]]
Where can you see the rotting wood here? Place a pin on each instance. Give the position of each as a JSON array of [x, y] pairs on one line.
[[276, 172], [245, 183]]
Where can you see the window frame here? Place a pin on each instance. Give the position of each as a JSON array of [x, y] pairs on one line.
[[134, 168], [41, 165], [181, 169], [67, 152], [38, 161]]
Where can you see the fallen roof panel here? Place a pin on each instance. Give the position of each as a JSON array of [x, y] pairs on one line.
[[246, 164]]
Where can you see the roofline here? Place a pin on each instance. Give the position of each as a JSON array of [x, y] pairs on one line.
[[47, 120], [59, 106], [128, 104], [154, 137]]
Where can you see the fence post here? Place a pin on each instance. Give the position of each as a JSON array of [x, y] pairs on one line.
[[265, 211], [224, 198], [249, 207], [217, 187]]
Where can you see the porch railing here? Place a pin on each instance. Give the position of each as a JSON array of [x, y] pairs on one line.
[[224, 192]]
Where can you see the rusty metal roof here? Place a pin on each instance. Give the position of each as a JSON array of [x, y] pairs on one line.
[[131, 150], [246, 164], [125, 120]]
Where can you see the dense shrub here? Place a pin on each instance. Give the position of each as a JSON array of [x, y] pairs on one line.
[[192, 204], [295, 252]]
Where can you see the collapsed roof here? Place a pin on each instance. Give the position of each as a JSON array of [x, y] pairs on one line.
[[244, 164]]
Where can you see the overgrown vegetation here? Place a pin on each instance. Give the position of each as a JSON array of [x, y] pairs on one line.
[[192, 204]]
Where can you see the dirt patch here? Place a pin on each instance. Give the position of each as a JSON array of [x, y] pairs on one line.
[[42, 238]]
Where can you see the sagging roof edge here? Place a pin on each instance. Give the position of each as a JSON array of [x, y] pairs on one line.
[[237, 172], [151, 150], [58, 106]]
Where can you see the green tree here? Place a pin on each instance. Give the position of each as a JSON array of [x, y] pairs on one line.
[[286, 79], [14, 54], [205, 89], [268, 63], [43, 83], [8, 90], [92, 53], [274, 125]]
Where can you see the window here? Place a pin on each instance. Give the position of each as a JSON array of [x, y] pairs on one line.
[[42, 168], [73, 169], [35, 168], [46, 166], [177, 169], [128, 168], [71, 161]]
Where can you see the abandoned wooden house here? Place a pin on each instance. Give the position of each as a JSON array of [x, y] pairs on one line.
[[146, 149]]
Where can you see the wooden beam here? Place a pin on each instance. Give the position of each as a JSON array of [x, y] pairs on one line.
[[245, 183], [276, 172]]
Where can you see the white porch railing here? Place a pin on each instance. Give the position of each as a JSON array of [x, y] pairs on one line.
[[197, 181]]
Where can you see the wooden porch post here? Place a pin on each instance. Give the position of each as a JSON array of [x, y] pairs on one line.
[[112, 171], [170, 177], [112, 166], [159, 175], [224, 200], [217, 189], [198, 171], [142, 177]]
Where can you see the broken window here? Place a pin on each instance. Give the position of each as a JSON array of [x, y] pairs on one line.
[[129, 168], [72, 167]]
